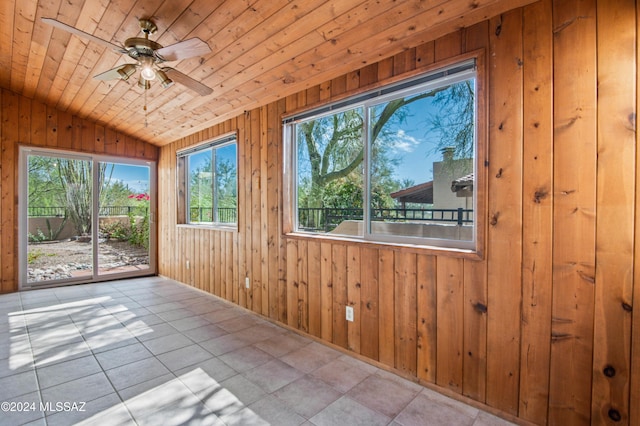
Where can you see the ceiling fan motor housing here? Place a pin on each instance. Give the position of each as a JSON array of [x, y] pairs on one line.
[[138, 46]]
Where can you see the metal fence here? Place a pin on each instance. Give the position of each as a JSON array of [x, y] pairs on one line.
[[205, 215], [309, 219], [327, 219], [104, 211]]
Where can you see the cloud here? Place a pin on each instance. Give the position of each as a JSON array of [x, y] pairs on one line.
[[404, 143]]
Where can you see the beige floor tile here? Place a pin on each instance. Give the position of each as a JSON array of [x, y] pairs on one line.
[[423, 411], [341, 375], [152, 351], [184, 357], [273, 375], [346, 411], [296, 396], [66, 371], [136, 372]]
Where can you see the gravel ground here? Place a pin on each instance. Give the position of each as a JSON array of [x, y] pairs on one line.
[[51, 254]]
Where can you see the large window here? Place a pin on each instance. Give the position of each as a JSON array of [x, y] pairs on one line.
[[207, 183], [394, 165]]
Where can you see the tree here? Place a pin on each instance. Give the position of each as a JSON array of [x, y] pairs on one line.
[[208, 189], [455, 128], [332, 149], [77, 178]]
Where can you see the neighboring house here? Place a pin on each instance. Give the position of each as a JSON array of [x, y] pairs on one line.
[[445, 190]]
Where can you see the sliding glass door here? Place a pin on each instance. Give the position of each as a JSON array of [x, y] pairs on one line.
[[84, 218], [124, 201]]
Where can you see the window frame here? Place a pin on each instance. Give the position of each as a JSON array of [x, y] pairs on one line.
[[183, 193], [383, 92]]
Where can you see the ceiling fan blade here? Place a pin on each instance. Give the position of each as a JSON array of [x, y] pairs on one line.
[[115, 73], [80, 33], [187, 81], [183, 50]]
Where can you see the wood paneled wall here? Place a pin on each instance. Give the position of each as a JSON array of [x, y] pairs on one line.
[[27, 122], [543, 327]]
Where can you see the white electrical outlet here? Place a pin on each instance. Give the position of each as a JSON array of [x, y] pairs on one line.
[[246, 282], [188, 264], [349, 313]]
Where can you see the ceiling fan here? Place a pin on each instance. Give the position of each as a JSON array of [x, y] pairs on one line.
[[150, 57]]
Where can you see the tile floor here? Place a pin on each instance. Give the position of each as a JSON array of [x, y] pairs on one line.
[[155, 352]]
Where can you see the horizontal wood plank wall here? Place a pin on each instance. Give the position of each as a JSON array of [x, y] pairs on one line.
[[523, 330], [27, 122]]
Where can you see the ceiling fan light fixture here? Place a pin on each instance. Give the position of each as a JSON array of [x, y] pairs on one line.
[[148, 73], [143, 83], [127, 71], [164, 80]]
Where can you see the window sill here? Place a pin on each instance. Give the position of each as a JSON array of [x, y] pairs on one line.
[[406, 247], [211, 227]]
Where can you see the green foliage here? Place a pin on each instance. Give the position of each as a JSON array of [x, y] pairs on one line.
[[201, 186], [139, 230], [453, 124], [59, 182], [135, 231], [331, 151], [33, 255], [116, 231], [38, 238]]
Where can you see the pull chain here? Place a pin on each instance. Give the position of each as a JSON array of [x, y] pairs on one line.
[[145, 107]]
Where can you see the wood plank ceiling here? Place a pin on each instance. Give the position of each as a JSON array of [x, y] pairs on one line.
[[262, 50]]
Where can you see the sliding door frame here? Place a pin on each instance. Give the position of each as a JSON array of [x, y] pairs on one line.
[[95, 159]]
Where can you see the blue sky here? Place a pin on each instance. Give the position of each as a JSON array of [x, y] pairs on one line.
[[135, 177]]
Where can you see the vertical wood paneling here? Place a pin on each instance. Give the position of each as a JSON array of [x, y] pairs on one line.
[[405, 312], [38, 134], [293, 317], [474, 363], [369, 304], [24, 117], [254, 225], [302, 302], [427, 318], [354, 262], [634, 391], [232, 272], [242, 216], [264, 213], [247, 211], [274, 231], [339, 293], [505, 212], [326, 292], [52, 130], [450, 323], [65, 136], [537, 213], [514, 327], [314, 288], [219, 256], [8, 197], [615, 214], [386, 291], [574, 211]]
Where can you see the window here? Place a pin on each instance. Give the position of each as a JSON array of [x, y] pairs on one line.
[[208, 184], [395, 165]]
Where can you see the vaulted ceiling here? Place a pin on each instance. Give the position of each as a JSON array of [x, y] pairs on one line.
[[261, 50]]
